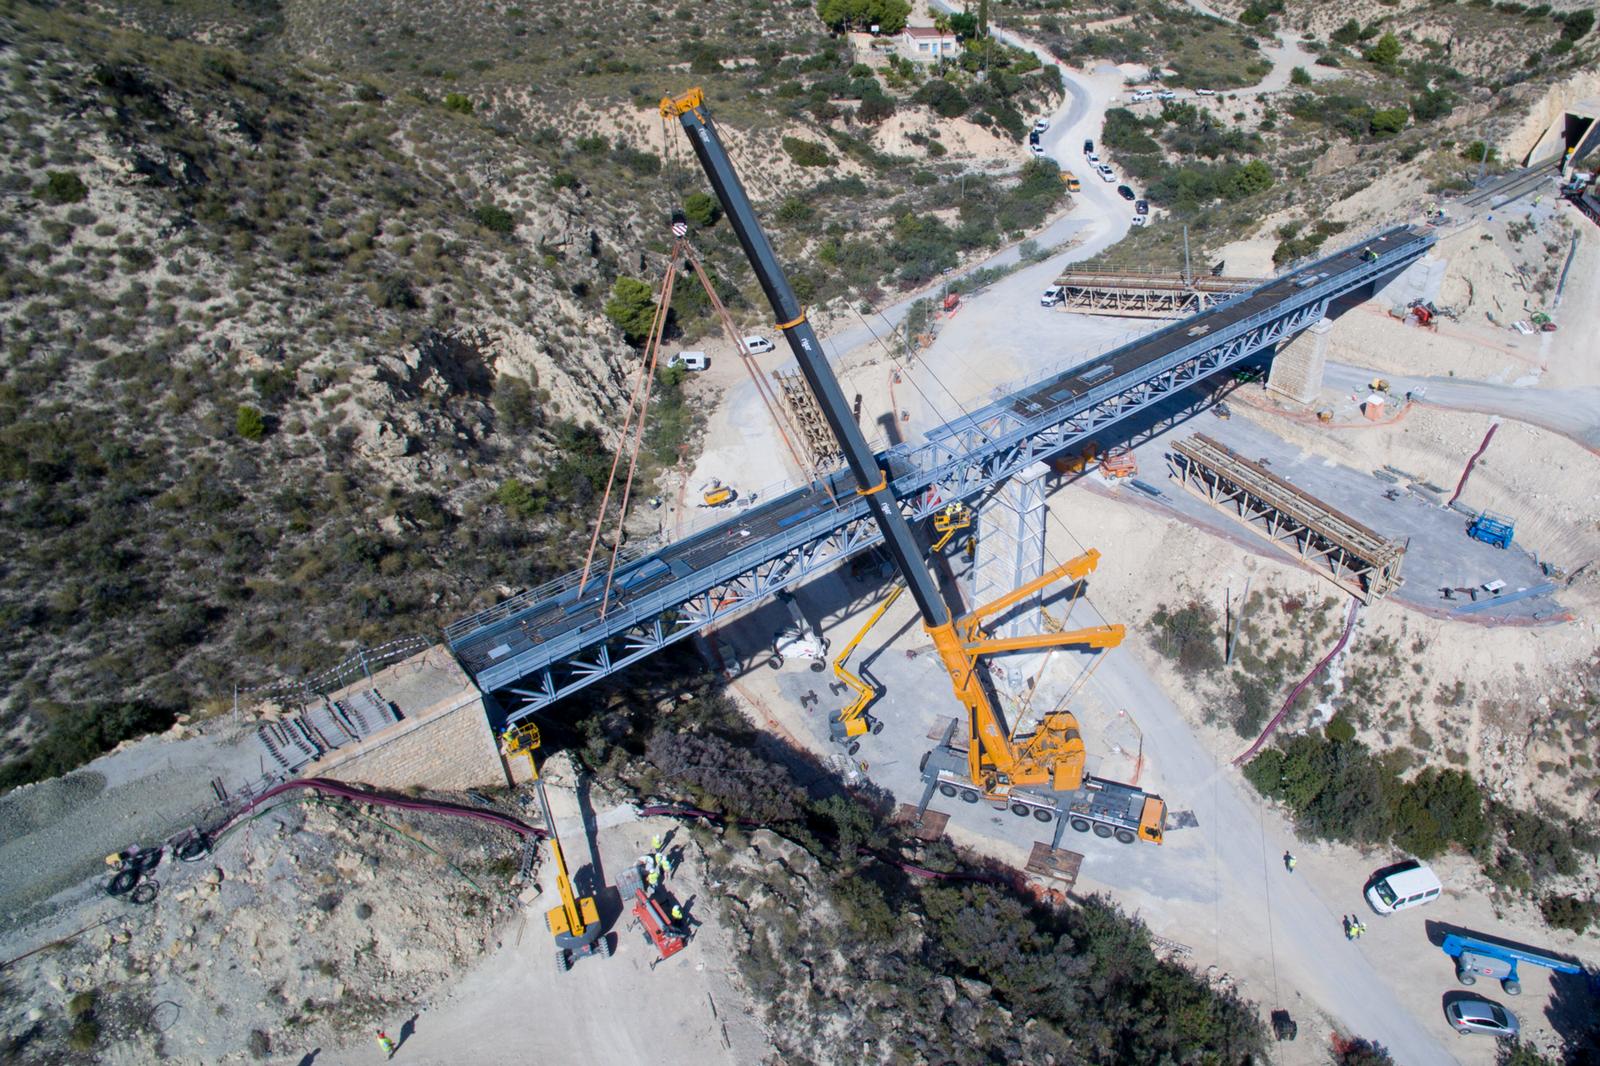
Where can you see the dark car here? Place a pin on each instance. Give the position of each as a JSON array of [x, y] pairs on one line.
[[1088, 148], [1126, 192], [1473, 1015], [1141, 207], [1033, 138]]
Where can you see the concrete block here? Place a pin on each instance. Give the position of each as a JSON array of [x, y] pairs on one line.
[[1298, 367]]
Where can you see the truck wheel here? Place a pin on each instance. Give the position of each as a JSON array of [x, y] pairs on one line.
[[1466, 978], [1124, 836], [1044, 815], [969, 795], [1080, 824], [1513, 988], [855, 746], [602, 947], [877, 727], [948, 790], [563, 961], [1019, 809], [1102, 831]]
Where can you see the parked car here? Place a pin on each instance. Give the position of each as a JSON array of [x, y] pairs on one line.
[[1106, 173], [1473, 1014], [1166, 94], [1142, 206], [1205, 92], [1094, 160], [1088, 148], [1126, 192], [1036, 148], [1052, 296], [1033, 136], [1040, 125], [1138, 220], [757, 345], [690, 361], [1142, 94]]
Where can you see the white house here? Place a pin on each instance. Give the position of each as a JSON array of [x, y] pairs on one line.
[[924, 44]]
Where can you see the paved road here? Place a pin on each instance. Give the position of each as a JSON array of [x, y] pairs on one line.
[[1573, 413]]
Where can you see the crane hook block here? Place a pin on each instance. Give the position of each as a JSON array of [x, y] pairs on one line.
[[673, 106]]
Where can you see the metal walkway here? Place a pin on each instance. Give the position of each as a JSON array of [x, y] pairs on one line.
[[1352, 556], [548, 642]]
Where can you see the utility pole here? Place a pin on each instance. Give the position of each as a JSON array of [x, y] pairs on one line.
[[1188, 278], [1483, 164]]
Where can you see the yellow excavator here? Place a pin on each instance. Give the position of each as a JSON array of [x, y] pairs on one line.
[[575, 923], [853, 721], [1040, 774]]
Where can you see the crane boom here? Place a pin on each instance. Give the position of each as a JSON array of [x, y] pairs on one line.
[[1054, 754]]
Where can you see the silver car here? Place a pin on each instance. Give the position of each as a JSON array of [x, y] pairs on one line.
[[1473, 1015]]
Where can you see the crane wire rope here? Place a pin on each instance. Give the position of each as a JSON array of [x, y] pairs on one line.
[[641, 383], [651, 356]]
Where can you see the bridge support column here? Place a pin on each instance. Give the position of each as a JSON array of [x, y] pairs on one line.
[[1010, 554], [1297, 368]]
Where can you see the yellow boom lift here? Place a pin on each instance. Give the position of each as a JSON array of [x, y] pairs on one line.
[[854, 721], [575, 923], [1040, 774]]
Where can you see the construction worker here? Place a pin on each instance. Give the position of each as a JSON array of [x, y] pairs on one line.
[[1361, 928], [385, 1045], [655, 843], [677, 914], [1349, 927], [1289, 861], [664, 865], [653, 879]]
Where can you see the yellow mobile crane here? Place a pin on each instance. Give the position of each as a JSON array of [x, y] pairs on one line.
[[575, 923], [1041, 774]]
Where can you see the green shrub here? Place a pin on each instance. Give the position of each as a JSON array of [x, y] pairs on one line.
[[1189, 636], [457, 102], [888, 15], [701, 209], [495, 219], [62, 187], [76, 733], [632, 308], [1385, 54], [249, 423], [1339, 729], [807, 153], [945, 99], [1389, 121], [1570, 912], [519, 499], [1299, 76], [1575, 24]]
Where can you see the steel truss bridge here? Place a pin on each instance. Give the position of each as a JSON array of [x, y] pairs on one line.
[[549, 642]]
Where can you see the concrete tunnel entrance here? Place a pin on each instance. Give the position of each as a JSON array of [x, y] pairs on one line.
[[1573, 135]]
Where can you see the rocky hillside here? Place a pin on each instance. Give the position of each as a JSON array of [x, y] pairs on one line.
[[304, 322]]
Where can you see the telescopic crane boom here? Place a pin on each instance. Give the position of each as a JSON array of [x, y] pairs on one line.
[[1053, 755]]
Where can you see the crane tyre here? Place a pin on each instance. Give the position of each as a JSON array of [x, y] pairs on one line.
[[948, 790], [1468, 979], [1124, 836], [144, 892], [855, 746], [193, 850], [602, 947], [563, 960], [1019, 809], [1080, 824], [1513, 988], [1044, 815], [969, 795], [877, 727], [122, 882], [1102, 831]]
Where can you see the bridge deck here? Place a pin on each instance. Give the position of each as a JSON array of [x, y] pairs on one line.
[[683, 586]]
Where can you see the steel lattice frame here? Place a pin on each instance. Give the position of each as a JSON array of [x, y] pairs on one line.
[[960, 460], [1350, 555]]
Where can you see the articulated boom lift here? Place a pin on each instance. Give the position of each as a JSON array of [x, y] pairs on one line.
[[576, 922], [1053, 756]]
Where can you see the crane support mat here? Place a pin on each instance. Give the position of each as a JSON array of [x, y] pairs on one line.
[[1058, 864], [933, 822]]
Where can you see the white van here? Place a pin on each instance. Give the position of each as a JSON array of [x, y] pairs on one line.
[[1143, 94], [757, 345], [1400, 887], [1052, 296], [690, 360]]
